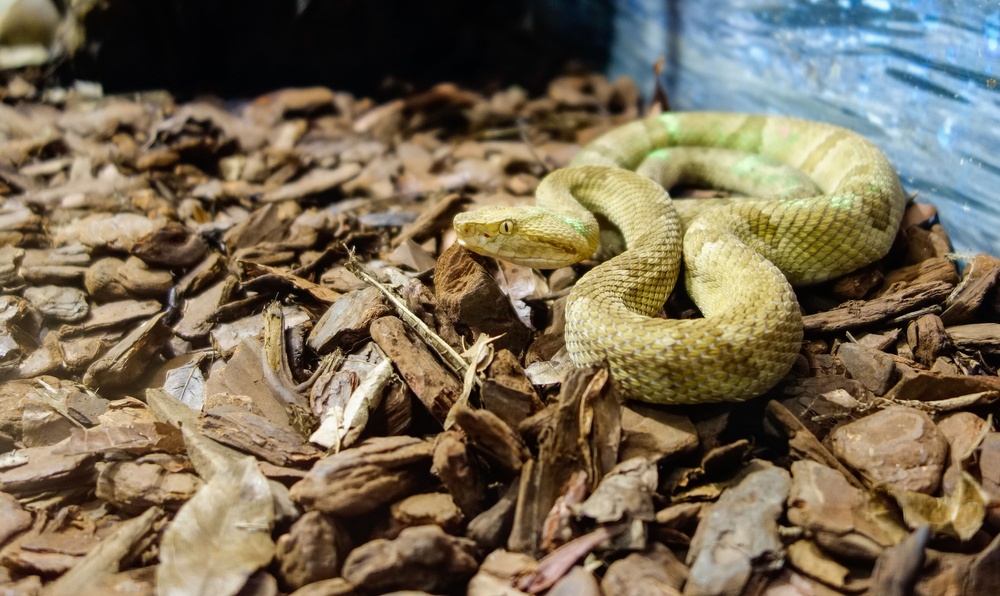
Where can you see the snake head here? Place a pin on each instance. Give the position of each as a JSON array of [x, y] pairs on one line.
[[527, 236]]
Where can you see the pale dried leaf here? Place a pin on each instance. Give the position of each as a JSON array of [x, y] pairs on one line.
[[187, 384], [342, 427], [221, 536], [959, 513]]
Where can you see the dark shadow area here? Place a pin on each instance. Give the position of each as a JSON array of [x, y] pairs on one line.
[[243, 47]]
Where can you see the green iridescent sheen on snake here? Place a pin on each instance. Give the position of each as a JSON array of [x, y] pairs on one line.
[[741, 257]]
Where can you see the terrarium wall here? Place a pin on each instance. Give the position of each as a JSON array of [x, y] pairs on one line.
[[919, 77]]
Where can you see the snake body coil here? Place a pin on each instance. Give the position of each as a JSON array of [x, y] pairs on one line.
[[741, 257]]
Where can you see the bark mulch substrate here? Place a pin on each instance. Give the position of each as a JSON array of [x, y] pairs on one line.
[[241, 351]]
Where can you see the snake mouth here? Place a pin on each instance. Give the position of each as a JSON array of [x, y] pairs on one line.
[[466, 245], [471, 245]]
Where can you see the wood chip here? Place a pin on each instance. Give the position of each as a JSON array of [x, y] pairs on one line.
[[205, 303], [359, 480], [432, 383], [859, 314]]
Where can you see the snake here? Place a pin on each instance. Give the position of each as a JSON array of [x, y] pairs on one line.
[[820, 201]]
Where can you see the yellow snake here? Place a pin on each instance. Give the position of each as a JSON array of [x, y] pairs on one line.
[[741, 256]]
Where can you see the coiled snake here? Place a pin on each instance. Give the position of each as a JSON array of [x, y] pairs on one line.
[[741, 256]]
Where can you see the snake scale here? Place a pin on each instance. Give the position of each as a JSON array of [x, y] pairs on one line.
[[827, 202]]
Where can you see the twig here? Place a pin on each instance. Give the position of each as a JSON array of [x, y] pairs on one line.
[[660, 92], [448, 355]]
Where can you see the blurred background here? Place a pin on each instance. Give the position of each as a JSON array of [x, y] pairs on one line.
[[919, 77]]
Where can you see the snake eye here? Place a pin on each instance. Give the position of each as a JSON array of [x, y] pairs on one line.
[[506, 226]]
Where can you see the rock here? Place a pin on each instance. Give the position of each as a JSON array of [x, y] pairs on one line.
[[962, 431], [899, 446], [875, 370], [421, 558], [363, 478], [498, 573], [740, 533], [134, 487], [424, 509], [56, 303], [837, 515], [313, 549], [171, 246], [655, 571]]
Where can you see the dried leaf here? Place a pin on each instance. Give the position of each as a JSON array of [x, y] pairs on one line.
[[959, 514], [343, 426], [221, 536], [187, 383]]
